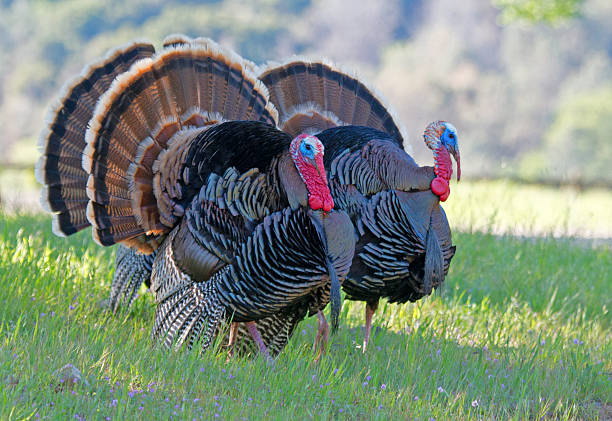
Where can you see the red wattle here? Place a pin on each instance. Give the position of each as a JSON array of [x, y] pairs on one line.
[[443, 169], [315, 202], [439, 186], [445, 196], [329, 204], [315, 178], [443, 164]]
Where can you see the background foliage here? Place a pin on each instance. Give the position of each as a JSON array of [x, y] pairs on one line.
[[527, 82]]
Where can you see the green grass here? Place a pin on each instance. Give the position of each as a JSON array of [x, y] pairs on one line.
[[522, 330]]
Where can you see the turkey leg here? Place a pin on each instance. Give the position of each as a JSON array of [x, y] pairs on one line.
[[322, 337], [233, 334], [252, 327], [371, 307]]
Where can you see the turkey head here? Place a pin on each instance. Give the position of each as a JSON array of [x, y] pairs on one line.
[[307, 154], [441, 137]]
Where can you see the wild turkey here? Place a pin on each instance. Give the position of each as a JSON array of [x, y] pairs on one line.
[[238, 215], [404, 247]]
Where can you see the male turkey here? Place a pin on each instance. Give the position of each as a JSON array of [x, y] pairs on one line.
[[404, 247], [238, 215]]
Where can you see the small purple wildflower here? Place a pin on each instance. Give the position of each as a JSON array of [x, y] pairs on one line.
[[223, 370], [380, 406], [114, 402], [335, 371], [341, 410], [416, 398], [131, 393], [440, 389], [383, 386], [503, 386], [365, 384], [140, 408], [379, 348], [196, 400], [43, 315], [167, 400], [368, 378], [176, 406], [71, 307], [475, 403], [438, 352], [543, 342]]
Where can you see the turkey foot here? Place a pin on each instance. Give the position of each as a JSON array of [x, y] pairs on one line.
[[371, 307], [252, 327], [233, 334], [322, 336]]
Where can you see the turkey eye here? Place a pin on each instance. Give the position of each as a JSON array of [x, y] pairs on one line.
[[452, 136], [308, 147]]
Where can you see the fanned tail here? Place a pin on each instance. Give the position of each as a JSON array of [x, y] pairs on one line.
[[63, 140], [312, 96], [143, 127]]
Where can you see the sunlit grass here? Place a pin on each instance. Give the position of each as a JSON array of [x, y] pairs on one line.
[[521, 330], [508, 207]]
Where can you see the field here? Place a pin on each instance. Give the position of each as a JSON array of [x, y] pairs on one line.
[[521, 330]]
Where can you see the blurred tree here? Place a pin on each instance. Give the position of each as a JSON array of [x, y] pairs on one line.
[[508, 88], [578, 146], [538, 10]]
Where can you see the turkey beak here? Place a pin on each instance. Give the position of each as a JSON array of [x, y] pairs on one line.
[[454, 150]]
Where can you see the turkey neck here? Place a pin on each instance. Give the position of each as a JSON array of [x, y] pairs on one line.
[[291, 182]]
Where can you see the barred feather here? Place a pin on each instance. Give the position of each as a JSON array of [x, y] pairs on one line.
[[312, 96], [63, 139], [132, 269], [148, 115]]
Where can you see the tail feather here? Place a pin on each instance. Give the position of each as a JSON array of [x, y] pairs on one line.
[[63, 140], [311, 95], [148, 116], [132, 269]]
